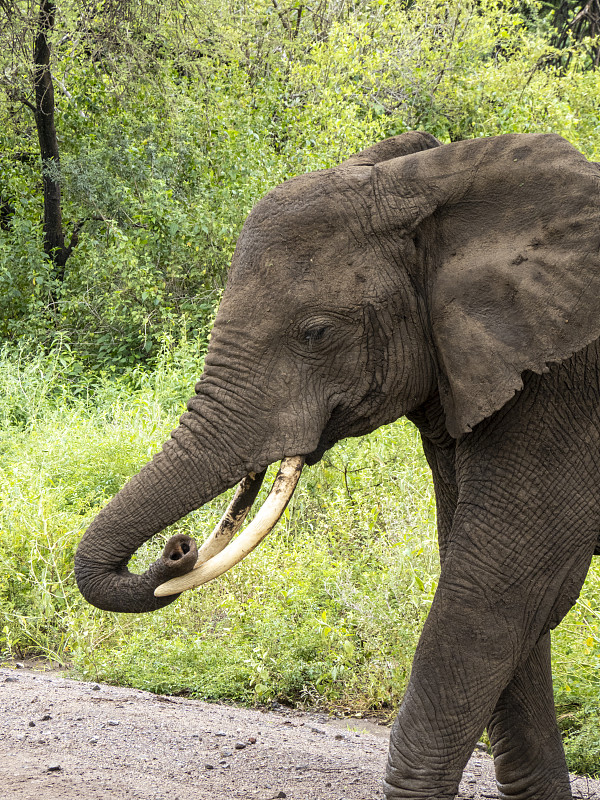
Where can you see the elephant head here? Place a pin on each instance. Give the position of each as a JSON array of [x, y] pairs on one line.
[[355, 295]]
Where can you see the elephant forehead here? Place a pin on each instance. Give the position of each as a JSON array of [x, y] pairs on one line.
[[306, 222], [291, 287]]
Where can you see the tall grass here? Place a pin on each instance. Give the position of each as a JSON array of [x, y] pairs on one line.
[[325, 613]]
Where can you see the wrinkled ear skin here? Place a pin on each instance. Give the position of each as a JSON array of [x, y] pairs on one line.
[[515, 282], [396, 146]]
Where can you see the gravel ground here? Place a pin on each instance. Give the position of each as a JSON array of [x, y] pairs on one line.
[[65, 740]]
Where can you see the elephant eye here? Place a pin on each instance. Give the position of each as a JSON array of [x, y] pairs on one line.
[[313, 335]]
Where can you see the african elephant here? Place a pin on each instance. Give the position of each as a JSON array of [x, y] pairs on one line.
[[458, 285]]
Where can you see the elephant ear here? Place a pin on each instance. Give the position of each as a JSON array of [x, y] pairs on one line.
[[394, 147], [514, 280]]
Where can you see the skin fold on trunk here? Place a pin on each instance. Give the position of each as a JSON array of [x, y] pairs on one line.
[[262, 524]]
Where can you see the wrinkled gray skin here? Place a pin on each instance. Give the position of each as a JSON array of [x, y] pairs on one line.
[[458, 285]]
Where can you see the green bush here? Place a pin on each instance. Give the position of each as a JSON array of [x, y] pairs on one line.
[[576, 668]]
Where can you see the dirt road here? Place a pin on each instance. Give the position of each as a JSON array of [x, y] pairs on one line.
[[65, 740]]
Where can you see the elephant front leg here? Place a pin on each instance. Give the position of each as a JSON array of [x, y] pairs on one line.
[[477, 636], [528, 753], [460, 668]]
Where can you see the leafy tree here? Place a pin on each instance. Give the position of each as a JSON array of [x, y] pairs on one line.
[[577, 24], [173, 118]]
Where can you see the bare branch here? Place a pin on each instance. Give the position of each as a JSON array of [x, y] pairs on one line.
[[15, 94]]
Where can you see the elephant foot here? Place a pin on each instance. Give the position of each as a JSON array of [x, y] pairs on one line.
[[406, 793], [413, 781], [541, 784], [547, 786]]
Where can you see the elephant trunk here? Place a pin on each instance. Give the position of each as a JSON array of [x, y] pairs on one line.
[[182, 477], [186, 474]]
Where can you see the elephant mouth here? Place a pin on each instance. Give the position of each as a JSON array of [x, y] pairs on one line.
[[318, 453], [221, 551]]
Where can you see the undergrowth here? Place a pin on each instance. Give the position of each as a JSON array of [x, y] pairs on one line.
[[326, 613]]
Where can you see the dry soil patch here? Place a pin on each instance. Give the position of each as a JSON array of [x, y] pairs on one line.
[[61, 739]]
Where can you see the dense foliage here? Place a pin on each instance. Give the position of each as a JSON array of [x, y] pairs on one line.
[[172, 119]]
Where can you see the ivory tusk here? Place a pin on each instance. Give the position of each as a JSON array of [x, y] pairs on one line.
[[233, 518], [262, 524]]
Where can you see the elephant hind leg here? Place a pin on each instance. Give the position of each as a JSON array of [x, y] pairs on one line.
[[528, 754]]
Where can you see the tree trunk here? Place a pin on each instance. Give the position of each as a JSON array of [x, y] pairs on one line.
[[575, 22], [54, 238]]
